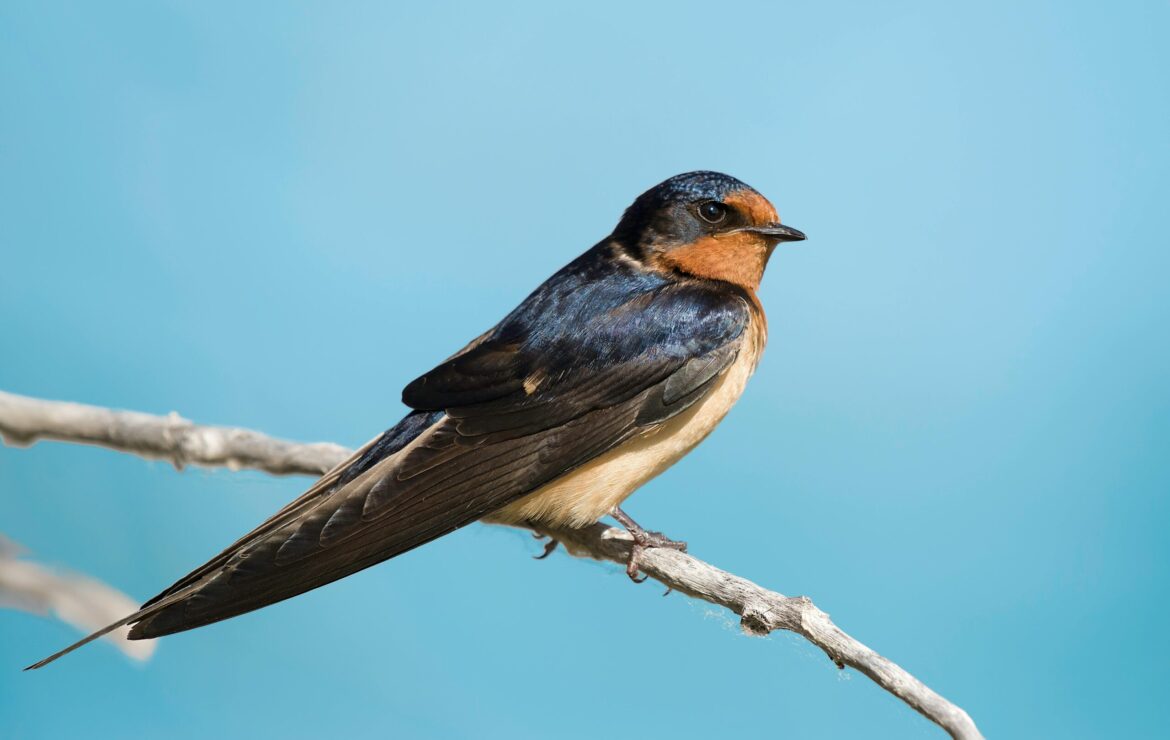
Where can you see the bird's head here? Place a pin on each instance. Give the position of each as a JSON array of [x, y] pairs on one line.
[[704, 224]]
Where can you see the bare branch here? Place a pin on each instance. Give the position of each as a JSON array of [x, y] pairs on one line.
[[761, 611], [24, 420], [83, 602]]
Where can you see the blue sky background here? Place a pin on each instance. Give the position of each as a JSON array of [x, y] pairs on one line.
[[276, 215]]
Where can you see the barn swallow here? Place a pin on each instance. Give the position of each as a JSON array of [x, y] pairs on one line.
[[603, 377]]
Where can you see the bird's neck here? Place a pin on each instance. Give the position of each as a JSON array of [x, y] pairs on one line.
[[738, 264], [738, 259]]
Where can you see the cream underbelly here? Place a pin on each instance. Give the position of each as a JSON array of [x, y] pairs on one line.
[[591, 491]]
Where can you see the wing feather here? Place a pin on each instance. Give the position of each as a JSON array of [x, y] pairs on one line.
[[579, 368]]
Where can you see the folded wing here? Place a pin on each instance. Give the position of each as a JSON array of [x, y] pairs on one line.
[[526, 403]]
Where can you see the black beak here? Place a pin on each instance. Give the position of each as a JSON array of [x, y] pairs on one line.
[[779, 232]]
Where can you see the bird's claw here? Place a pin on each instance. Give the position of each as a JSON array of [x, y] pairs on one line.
[[632, 565], [549, 546], [641, 545], [643, 541]]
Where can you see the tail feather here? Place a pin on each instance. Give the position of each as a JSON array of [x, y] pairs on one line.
[[131, 619], [189, 586]]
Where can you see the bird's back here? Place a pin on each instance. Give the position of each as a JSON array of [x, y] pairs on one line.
[[596, 357]]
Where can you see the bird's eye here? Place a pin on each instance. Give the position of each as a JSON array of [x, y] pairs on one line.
[[713, 212]]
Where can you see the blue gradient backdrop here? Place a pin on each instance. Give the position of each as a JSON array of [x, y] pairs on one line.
[[276, 216]]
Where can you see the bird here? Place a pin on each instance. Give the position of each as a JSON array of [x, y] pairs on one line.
[[603, 377]]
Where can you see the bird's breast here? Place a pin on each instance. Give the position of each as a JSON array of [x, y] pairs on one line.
[[588, 493]]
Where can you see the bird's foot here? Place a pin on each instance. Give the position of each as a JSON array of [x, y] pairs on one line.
[[657, 539], [548, 546], [644, 539]]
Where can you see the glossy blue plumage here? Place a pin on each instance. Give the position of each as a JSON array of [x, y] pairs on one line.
[[555, 330], [605, 351], [599, 313], [595, 312]]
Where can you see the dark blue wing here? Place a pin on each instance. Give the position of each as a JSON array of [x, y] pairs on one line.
[[593, 336], [596, 355]]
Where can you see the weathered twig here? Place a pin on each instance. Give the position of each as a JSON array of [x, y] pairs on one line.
[[761, 611], [24, 420], [79, 600]]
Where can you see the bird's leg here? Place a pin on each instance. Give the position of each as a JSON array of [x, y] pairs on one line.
[[643, 540]]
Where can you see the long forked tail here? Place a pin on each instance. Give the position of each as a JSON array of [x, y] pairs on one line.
[[100, 633], [193, 582], [135, 617]]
